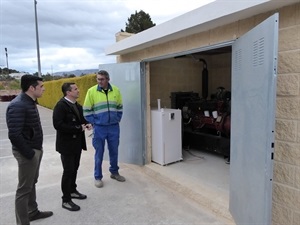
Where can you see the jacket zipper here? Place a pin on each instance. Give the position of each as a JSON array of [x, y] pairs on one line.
[[107, 106]]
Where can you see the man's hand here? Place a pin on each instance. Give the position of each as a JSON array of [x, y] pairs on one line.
[[83, 127], [89, 126]]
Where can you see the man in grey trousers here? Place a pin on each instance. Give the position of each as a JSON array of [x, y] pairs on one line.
[[26, 136]]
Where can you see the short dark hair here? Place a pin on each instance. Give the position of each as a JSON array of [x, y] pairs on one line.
[[29, 80], [66, 87], [104, 73]]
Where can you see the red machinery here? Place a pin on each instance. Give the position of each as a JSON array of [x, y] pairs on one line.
[[206, 123], [210, 114]]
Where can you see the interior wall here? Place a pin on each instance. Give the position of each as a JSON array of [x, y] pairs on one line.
[[219, 72], [171, 75], [185, 74]]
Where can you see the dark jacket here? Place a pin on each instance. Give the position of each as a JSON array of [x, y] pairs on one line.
[[24, 125], [70, 139]]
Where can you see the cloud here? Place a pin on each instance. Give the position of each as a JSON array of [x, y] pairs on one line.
[[72, 33]]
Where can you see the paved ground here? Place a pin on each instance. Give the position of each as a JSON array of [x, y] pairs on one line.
[[140, 200]]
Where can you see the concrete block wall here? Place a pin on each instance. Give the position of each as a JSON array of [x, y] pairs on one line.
[[286, 185]]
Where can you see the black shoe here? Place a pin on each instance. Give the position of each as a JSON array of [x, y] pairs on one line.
[[70, 206], [78, 195], [40, 215], [227, 161]]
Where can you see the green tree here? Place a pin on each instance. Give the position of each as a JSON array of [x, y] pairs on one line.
[[7, 71], [138, 22], [47, 77]]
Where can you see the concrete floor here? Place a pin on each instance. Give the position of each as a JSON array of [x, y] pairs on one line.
[[202, 176], [193, 191], [207, 167]]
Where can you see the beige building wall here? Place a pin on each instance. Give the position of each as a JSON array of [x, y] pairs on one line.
[[286, 185]]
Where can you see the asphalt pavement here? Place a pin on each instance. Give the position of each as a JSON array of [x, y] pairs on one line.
[[141, 200]]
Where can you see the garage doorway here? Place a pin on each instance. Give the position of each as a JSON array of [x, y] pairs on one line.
[[180, 82]]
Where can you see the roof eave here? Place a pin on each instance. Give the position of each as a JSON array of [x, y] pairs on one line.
[[215, 14]]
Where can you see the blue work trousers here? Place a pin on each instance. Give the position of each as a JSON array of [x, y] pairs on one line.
[[111, 134]]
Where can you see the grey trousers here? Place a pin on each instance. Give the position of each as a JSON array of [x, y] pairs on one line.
[[28, 173]]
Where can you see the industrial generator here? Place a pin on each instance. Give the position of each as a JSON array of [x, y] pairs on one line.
[[206, 123]]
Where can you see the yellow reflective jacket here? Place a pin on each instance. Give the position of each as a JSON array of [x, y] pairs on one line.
[[100, 108]]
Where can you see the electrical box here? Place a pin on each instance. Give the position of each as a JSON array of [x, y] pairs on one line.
[[166, 136]]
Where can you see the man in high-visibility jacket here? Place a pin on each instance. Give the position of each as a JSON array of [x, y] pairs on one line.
[[103, 109]]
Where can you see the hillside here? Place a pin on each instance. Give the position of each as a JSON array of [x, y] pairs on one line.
[[75, 72]]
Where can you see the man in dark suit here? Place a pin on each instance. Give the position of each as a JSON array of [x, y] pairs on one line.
[[70, 125]]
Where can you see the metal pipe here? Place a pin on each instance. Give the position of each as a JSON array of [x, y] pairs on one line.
[[37, 40], [204, 79]]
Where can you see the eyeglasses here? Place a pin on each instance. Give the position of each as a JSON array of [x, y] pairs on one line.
[[100, 79]]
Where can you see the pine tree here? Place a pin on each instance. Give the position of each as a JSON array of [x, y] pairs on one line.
[[138, 22]]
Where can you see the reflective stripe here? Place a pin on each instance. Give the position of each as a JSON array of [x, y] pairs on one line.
[[99, 108]]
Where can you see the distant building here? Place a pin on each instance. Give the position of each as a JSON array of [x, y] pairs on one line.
[[17, 75]]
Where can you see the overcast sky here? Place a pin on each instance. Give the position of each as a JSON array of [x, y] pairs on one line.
[[73, 34]]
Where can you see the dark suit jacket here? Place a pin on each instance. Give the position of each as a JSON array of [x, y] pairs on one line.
[[70, 139]]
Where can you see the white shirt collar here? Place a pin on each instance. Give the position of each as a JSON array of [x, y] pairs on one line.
[[69, 100]]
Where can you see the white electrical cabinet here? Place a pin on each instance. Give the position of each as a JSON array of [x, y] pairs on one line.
[[166, 136]]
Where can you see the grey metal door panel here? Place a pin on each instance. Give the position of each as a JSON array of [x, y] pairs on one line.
[[254, 68], [129, 77]]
